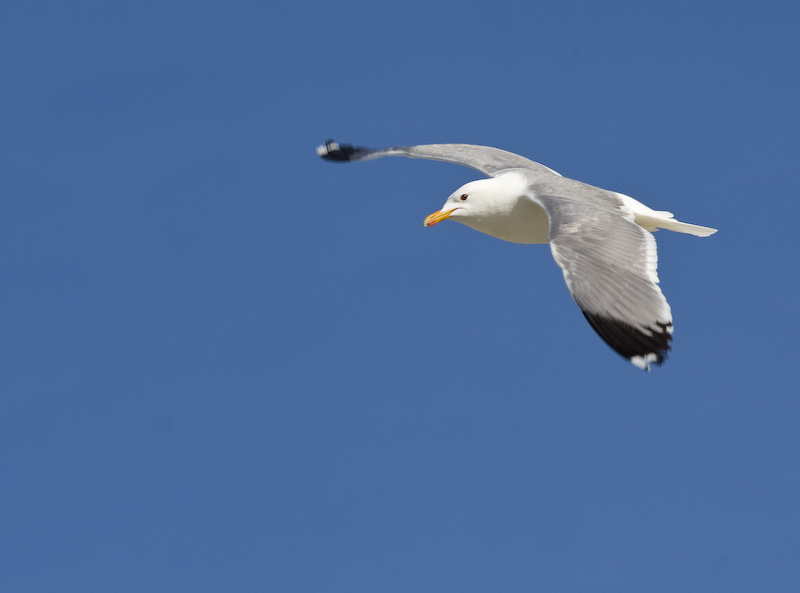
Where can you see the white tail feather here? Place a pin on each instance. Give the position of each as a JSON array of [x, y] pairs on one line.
[[652, 220], [652, 223]]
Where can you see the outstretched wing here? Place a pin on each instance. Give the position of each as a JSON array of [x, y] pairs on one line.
[[609, 264], [489, 161]]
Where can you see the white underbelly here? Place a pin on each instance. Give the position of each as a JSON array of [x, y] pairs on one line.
[[525, 223]]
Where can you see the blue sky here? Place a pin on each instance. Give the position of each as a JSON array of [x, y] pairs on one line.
[[230, 366]]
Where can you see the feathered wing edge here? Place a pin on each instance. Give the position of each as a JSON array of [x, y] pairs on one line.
[[609, 265], [486, 159]]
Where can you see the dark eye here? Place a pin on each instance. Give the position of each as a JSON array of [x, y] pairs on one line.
[[464, 197]]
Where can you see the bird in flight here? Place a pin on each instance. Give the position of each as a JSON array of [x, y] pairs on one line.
[[601, 239]]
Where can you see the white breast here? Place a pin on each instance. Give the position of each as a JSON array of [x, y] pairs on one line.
[[525, 222], [508, 214]]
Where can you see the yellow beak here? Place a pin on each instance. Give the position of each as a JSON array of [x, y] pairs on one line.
[[438, 216]]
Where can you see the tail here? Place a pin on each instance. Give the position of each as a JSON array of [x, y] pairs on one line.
[[652, 220], [652, 223]]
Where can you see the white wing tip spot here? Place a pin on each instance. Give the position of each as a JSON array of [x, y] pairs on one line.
[[643, 362], [326, 148]]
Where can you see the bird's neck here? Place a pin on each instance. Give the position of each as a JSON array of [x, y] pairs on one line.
[[513, 216]]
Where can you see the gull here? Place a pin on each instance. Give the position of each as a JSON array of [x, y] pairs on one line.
[[601, 239]]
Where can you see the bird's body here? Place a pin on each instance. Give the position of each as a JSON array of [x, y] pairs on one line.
[[601, 239]]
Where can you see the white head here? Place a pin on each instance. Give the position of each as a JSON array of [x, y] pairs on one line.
[[473, 200], [498, 207]]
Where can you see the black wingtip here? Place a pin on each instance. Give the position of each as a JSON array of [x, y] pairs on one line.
[[640, 347], [333, 151]]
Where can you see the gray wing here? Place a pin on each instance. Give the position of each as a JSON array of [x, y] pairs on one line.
[[609, 264], [489, 161]]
